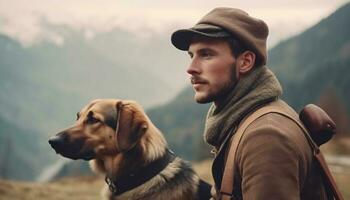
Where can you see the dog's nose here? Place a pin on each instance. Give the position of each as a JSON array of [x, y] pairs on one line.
[[58, 141]]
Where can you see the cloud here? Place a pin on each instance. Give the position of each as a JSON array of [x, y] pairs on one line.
[[25, 20]]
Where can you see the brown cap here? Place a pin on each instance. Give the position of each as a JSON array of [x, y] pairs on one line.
[[227, 22]]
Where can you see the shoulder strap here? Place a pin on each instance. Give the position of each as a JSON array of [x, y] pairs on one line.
[[226, 190]]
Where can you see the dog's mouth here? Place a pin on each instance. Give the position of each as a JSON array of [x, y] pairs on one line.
[[71, 149], [85, 155]]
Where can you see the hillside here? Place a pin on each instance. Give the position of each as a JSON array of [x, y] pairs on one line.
[[181, 121], [77, 188], [44, 85], [17, 147], [48, 83], [318, 58], [89, 187], [310, 66]]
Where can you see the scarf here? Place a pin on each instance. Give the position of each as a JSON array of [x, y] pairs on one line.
[[252, 90]]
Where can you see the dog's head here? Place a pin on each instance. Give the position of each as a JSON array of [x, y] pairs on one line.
[[103, 127]]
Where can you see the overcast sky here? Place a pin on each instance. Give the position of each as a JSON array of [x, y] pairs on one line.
[[23, 19]]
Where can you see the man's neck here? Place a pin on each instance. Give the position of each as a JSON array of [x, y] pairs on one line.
[[218, 103]]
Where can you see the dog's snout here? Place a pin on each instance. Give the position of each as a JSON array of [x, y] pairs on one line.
[[58, 141]]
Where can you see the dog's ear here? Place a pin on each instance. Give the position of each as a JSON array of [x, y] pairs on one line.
[[131, 125]]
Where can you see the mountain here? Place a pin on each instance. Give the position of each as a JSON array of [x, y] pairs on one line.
[[308, 65], [21, 152], [181, 121], [46, 83], [43, 85], [318, 58]]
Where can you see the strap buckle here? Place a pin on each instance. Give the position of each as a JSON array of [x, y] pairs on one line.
[[214, 151], [226, 196], [111, 185]]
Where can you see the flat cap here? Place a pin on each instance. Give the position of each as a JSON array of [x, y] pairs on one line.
[[227, 22]]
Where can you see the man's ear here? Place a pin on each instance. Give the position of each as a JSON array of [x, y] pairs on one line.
[[131, 125], [245, 62]]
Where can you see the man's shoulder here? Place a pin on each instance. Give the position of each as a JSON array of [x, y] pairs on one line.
[[276, 128], [278, 116]]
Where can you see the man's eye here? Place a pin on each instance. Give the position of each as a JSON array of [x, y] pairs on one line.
[[206, 54]]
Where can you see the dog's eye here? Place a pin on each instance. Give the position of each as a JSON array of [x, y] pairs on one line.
[[91, 119], [78, 115]]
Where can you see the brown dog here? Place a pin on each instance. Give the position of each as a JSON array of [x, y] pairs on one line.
[[121, 142]]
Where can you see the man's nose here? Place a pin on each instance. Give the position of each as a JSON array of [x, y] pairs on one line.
[[193, 68]]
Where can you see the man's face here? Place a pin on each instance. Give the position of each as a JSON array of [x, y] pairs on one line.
[[212, 69]]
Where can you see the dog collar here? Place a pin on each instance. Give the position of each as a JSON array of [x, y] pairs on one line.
[[132, 180]]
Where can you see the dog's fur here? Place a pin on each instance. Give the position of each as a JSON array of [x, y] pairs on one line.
[[135, 143]]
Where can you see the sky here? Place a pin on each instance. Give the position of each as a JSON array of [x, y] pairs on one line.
[[26, 20]]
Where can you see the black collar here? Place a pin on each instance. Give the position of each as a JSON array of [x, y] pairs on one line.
[[132, 180]]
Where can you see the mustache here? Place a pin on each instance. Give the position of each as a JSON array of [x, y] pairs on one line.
[[196, 80]]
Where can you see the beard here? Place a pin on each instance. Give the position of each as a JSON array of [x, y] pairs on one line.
[[222, 91]]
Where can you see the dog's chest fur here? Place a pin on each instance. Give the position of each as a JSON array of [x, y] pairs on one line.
[[177, 181]]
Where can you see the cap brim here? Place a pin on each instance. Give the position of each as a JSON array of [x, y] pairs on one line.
[[182, 38]]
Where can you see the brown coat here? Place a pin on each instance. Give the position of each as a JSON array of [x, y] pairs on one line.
[[273, 161]]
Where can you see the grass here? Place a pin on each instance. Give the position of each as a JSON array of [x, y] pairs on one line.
[[78, 188], [88, 188]]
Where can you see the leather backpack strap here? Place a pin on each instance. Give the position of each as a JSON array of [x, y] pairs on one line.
[[226, 190], [324, 169], [328, 177]]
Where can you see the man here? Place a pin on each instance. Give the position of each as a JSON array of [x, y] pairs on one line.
[[228, 56]]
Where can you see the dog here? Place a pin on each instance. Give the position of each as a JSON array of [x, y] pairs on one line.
[[120, 141]]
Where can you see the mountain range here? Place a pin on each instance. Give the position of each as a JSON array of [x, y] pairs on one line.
[[44, 85]]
